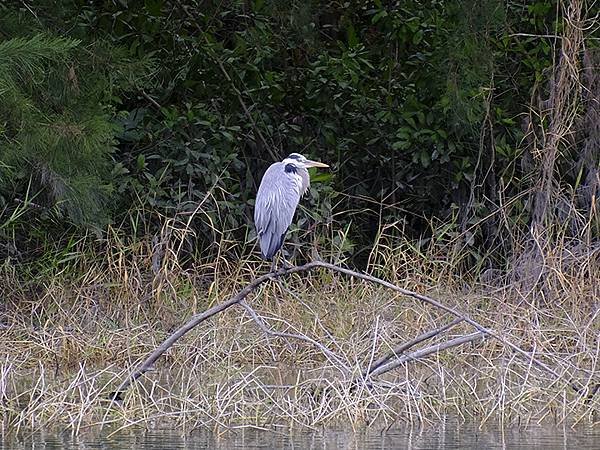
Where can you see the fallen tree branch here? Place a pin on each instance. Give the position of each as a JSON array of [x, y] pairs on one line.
[[397, 351], [427, 351], [443, 307], [240, 296]]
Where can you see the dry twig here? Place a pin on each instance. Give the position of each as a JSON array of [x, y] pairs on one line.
[[426, 352], [263, 326], [397, 351]]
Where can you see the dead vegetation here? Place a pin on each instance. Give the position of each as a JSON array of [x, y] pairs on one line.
[[70, 340]]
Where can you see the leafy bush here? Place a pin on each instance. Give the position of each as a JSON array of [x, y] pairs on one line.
[[418, 106]]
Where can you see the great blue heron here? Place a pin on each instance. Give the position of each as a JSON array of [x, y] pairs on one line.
[[278, 195]]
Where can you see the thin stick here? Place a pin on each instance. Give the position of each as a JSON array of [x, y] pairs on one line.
[[428, 351], [397, 351], [233, 87]]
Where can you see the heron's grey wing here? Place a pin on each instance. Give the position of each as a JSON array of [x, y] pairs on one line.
[[276, 202]]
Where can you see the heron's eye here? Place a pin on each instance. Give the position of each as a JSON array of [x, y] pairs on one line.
[[290, 168]]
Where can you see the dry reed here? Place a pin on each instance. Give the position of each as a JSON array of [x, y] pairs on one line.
[[68, 340]]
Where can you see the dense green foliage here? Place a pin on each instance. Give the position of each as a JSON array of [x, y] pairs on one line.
[[123, 110]]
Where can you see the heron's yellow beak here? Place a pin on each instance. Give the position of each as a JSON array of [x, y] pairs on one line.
[[310, 163]]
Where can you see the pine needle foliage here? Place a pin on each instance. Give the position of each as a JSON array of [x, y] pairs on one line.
[[50, 133]]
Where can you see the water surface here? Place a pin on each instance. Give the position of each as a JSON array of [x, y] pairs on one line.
[[449, 435]]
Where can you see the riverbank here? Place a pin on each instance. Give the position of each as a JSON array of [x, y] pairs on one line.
[[69, 340]]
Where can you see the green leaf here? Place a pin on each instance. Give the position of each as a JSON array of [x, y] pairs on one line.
[[417, 37], [380, 15], [228, 135], [141, 162], [320, 177], [351, 34]]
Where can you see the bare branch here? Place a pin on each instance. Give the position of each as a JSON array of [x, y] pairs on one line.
[[195, 320], [422, 353], [397, 351], [443, 307], [263, 326]]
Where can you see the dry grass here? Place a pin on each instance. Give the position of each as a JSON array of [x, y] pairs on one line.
[[71, 334]]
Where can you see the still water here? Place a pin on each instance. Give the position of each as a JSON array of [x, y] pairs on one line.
[[447, 436]]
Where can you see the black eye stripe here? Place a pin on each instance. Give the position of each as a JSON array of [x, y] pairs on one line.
[[295, 156], [290, 168]]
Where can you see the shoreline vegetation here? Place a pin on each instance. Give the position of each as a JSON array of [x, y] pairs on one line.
[[71, 339]]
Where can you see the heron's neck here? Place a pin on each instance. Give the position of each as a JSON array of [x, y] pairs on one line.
[[305, 180]]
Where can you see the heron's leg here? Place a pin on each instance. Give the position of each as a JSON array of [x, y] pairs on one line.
[[277, 280], [292, 255], [284, 262]]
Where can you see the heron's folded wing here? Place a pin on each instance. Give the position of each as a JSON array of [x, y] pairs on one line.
[[276, 202]]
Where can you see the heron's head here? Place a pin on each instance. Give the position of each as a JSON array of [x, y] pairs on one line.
[[299, 161]]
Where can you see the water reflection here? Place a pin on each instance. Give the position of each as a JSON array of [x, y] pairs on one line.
[[450, 435]]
